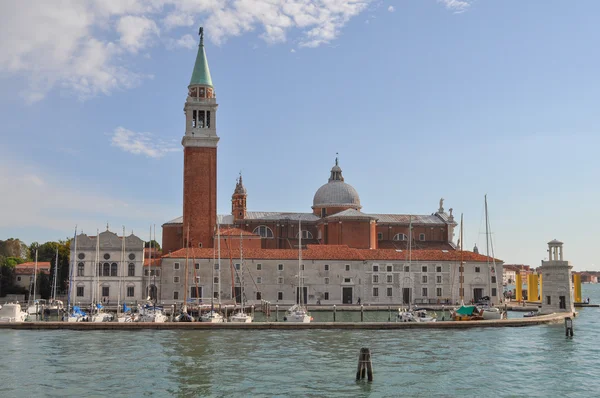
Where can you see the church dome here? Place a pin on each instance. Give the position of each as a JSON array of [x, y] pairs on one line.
[[336, 193]]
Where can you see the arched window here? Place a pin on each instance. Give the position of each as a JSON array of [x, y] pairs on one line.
[[106, 269], [399, 237], [80, 269], [305, 235], [113, 269], [99, 269], [131, 270], [263, 231]]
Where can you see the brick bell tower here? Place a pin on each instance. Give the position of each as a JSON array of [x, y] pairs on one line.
[[200, 156], [238, 201]]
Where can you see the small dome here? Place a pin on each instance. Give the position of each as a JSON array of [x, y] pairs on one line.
[[336, 193]]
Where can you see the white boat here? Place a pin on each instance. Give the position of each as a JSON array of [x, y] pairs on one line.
[[212, 317], [241, 316], [54, 307], [493, 313], [101, 316], [414, 316], [298, 312], [37, 307], [127, 315], [77, 315], [152, 313], [12, 313]]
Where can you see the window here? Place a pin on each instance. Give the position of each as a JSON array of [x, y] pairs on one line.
[[131, 269], [175, 279], [19, 278], [302, 267], [216, 279], [347, 267], [327, 281], [175, 265], [197, 266], [131, 256], [106, 269], [389, 268], [461, 269], [326, 267], [562, 304], [438, 279], [258, 267], [81, 256], [347, 280], [156, 272], [438, 269], [80, 291], [424, 278], [438, 292], [390, 292], [424, 268], [263, 231], [99, 269], [198, 279], [379, 235], [376, 268], [216, 295], [421, 237], [105, 291], [375, 278], [113, 269], [279, 267], [462, 292], [548, 300], [399, 237], [194, 292], [477, 269], [305, 235], [130, 291], [146, 272], [80, 269], [106, 256], [390, 278], [237, 266], [258, 295], [375, 292], [326, 296], [237, 279], [279, 295], [461, 279], [258, 280], [424, 292], [217, 266], [406, 268], [493, 279], [494, 291], [280, 280], [175, 295]]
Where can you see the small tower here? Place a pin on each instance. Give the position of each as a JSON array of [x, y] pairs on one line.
[[238, 201], [200, 155], [557, 282]]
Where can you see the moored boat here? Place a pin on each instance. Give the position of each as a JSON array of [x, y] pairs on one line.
[[467, 313], [12, 313]]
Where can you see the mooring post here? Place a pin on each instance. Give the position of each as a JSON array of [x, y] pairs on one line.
[[334, 312], [37, 311], [389, 313], [276, 312], [365, 366], [361, 312], [569, 327], [252, 309], [172, 312]]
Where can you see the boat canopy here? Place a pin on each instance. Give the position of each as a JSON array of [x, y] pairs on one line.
[[466, 310]]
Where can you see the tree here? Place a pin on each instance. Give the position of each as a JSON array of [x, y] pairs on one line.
[[154, 243], [7, 275], [44, 287], [47, 252]]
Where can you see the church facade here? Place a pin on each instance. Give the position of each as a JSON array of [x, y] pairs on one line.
[[349, 253]]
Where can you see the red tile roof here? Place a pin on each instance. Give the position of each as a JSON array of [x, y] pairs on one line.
[[155, 262], [334, 252], [29, 267]]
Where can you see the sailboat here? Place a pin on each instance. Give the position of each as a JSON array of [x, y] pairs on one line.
[[76, 314], [150, 312], [35, 307], [100, 315], [213, 316], [241, 316], [298, 312], [55, 306], [489, 311]]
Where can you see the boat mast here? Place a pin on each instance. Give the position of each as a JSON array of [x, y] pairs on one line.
[[71, 266], [212, 278], [187, 245], [487, 248], [219, 262], [122, 270], [153, 268], [300, 284], [98, 266], [55, 276], [461, 269], [35, 275], [241, 275]]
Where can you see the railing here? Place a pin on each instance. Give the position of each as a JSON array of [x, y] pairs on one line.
[[209, 101]]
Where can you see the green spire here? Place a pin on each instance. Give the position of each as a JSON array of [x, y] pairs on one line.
[[201, 74]]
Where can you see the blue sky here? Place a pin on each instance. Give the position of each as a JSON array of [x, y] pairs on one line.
[[421, 98]]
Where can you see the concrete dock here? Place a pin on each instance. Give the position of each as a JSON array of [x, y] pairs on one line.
[[518, 322]]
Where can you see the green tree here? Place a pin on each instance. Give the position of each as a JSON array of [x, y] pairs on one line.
[[7, 276], [155, 245], [44, 286], [47, 252]]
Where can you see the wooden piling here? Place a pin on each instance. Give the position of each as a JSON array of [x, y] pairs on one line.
[[334, 312], [568, 327], [389, 313], [365, 366], [362, 313], [276, 312]]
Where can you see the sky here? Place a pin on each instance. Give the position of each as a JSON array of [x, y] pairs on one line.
[[422, 99]]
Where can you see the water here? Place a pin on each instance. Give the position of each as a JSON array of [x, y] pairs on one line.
[[533, 361]]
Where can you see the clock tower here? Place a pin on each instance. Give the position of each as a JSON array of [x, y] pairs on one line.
[[200, 156]]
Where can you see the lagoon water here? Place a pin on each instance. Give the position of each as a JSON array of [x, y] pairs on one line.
[[535, 361]]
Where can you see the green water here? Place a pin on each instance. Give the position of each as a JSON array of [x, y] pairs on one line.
[[533, 361]]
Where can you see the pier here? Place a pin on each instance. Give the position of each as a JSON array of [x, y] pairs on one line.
[[518, 322]]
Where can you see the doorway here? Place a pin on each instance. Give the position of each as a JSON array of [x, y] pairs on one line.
[[305, 288], [347, 295], [562, 302], [477, 294], [406, 295], [152, 292], [238, 294], [195, 293]]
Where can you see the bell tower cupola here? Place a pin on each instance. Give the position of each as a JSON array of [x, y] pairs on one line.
[[238, 201], [200, 155]]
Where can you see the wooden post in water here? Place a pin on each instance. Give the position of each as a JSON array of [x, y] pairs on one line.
[[361, 312], [252, 310], [365, 366], [334, 312], [389, 313], [568, 327], [276, 312]]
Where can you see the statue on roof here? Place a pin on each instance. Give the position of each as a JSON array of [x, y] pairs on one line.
[[441, 209], [201, 34]]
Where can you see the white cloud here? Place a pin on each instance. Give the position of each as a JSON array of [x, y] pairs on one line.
[[391, 9], [141, 143], [292, 50], [86, 47], [457, 6]]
